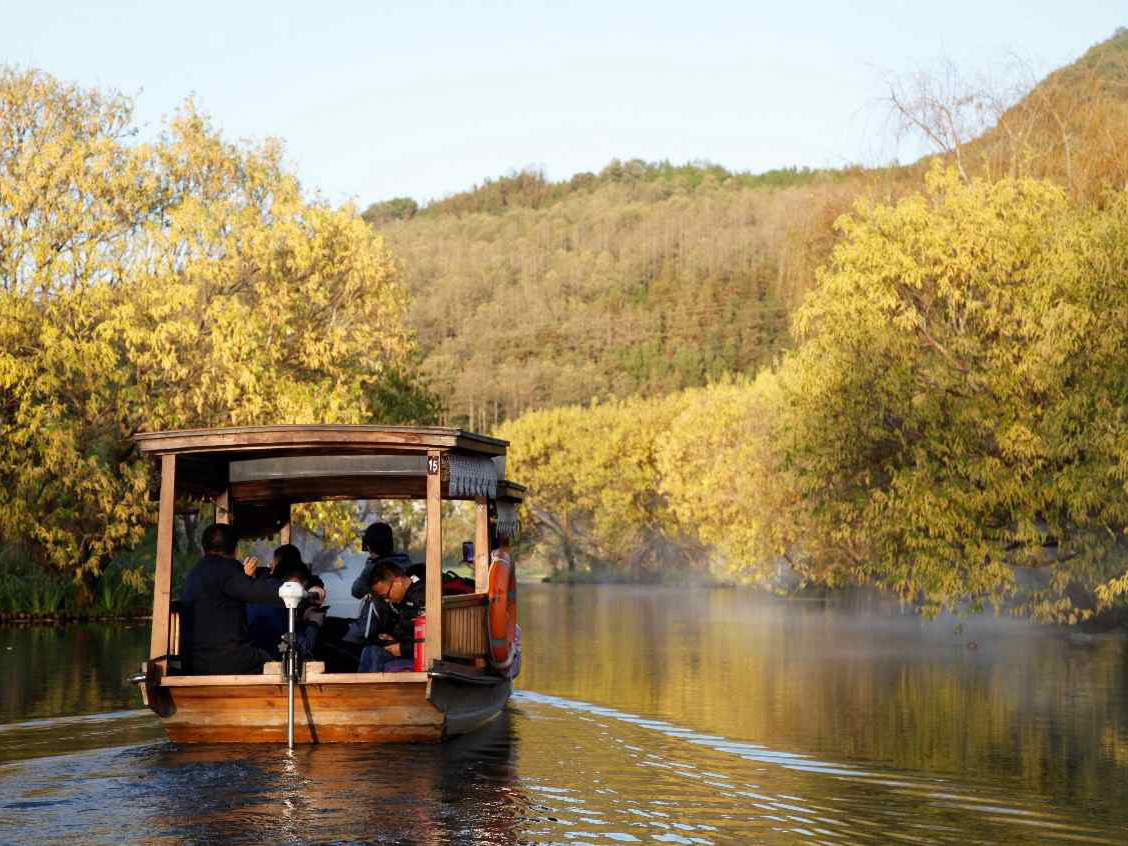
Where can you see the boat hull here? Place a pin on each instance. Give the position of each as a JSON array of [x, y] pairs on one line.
[[352, 711]]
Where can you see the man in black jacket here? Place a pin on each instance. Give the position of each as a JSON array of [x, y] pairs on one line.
[[378, 543], [374, 615], [214, 609], [406, 599]]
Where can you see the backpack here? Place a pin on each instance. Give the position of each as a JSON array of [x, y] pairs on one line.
[[454, 585]]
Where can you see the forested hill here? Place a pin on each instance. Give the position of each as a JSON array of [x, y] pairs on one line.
[[649, 277], [642, 279]]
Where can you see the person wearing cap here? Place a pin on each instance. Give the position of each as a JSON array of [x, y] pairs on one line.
[[374, 616]]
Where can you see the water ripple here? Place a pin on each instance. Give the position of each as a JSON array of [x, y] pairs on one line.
[[891, 806]]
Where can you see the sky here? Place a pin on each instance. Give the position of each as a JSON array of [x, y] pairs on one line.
[[381, 99]]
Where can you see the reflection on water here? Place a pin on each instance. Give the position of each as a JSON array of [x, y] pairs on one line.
[[845, 683], [685, 786], [644, 717], [67, 735], [64, 670], [460, 792]]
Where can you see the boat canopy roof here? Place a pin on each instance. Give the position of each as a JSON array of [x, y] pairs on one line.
[[316, 439], [265, 468]]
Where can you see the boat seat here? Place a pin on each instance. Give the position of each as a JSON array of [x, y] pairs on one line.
[[311, 668]]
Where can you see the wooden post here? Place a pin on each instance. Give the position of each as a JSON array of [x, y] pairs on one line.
[[223, 507], [162, 579], [482, 546], [434, 647]]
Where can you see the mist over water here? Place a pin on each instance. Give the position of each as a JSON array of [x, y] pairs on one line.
[[643, 716]]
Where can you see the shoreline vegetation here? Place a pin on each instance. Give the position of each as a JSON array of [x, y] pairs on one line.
[[30, 593], [912, 378], [1110, 624]]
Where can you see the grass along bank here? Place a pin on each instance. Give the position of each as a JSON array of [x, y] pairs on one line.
[[29, 593]]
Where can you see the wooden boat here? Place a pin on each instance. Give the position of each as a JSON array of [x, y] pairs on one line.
[[254, 476]]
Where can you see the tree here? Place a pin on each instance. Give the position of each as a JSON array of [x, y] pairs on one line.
[[176, 284], [955, 407], [728, 484], [1065, 127], [595, 486], [942, 107], [397, 208]]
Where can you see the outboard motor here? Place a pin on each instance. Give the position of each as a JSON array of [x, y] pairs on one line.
[[291, 593]]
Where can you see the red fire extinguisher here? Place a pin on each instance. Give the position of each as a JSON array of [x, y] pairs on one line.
[[420, 661]]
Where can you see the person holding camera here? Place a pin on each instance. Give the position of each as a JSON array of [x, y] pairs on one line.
[[374, 616], [267, 623], [213, 617]]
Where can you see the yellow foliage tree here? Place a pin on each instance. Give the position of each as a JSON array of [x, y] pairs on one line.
[[727, 482], [187, 282], [956, 405], [595, 477], [950, 426]]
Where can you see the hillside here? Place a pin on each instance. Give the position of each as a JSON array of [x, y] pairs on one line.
[[642, 279], [1069, 127], [649, 277]]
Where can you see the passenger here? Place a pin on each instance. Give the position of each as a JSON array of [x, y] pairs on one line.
[[378, 543], [405, 597], [371, 621], [214, 608], [267, 623]]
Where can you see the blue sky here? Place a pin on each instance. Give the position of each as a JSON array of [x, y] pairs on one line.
[[375, 100]]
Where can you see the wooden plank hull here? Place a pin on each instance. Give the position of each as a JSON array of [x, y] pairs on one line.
[[328, 712]]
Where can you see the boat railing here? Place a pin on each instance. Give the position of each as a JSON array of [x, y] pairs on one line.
[[464, 626]]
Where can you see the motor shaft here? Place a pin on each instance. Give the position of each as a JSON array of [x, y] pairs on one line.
[[291, 667]]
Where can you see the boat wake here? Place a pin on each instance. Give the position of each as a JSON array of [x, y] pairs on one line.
[[552, 770], [779, 795]]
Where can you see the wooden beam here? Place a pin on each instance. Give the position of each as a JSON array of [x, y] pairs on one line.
[[317, 439], [330, 487], [162, 578], [465, 600], [434, 647], [261, 679], [335, 487], [508, 489], [223, 507], [481, 545]]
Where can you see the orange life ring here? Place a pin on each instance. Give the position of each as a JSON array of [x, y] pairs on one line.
[[501, 616]]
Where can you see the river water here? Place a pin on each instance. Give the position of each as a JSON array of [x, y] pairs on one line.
[[642, 716]]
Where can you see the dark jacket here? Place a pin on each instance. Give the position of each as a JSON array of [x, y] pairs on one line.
[[373, 617], [369, 622], [401, 617], [267, 623], [378, 616], [213, 617]]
